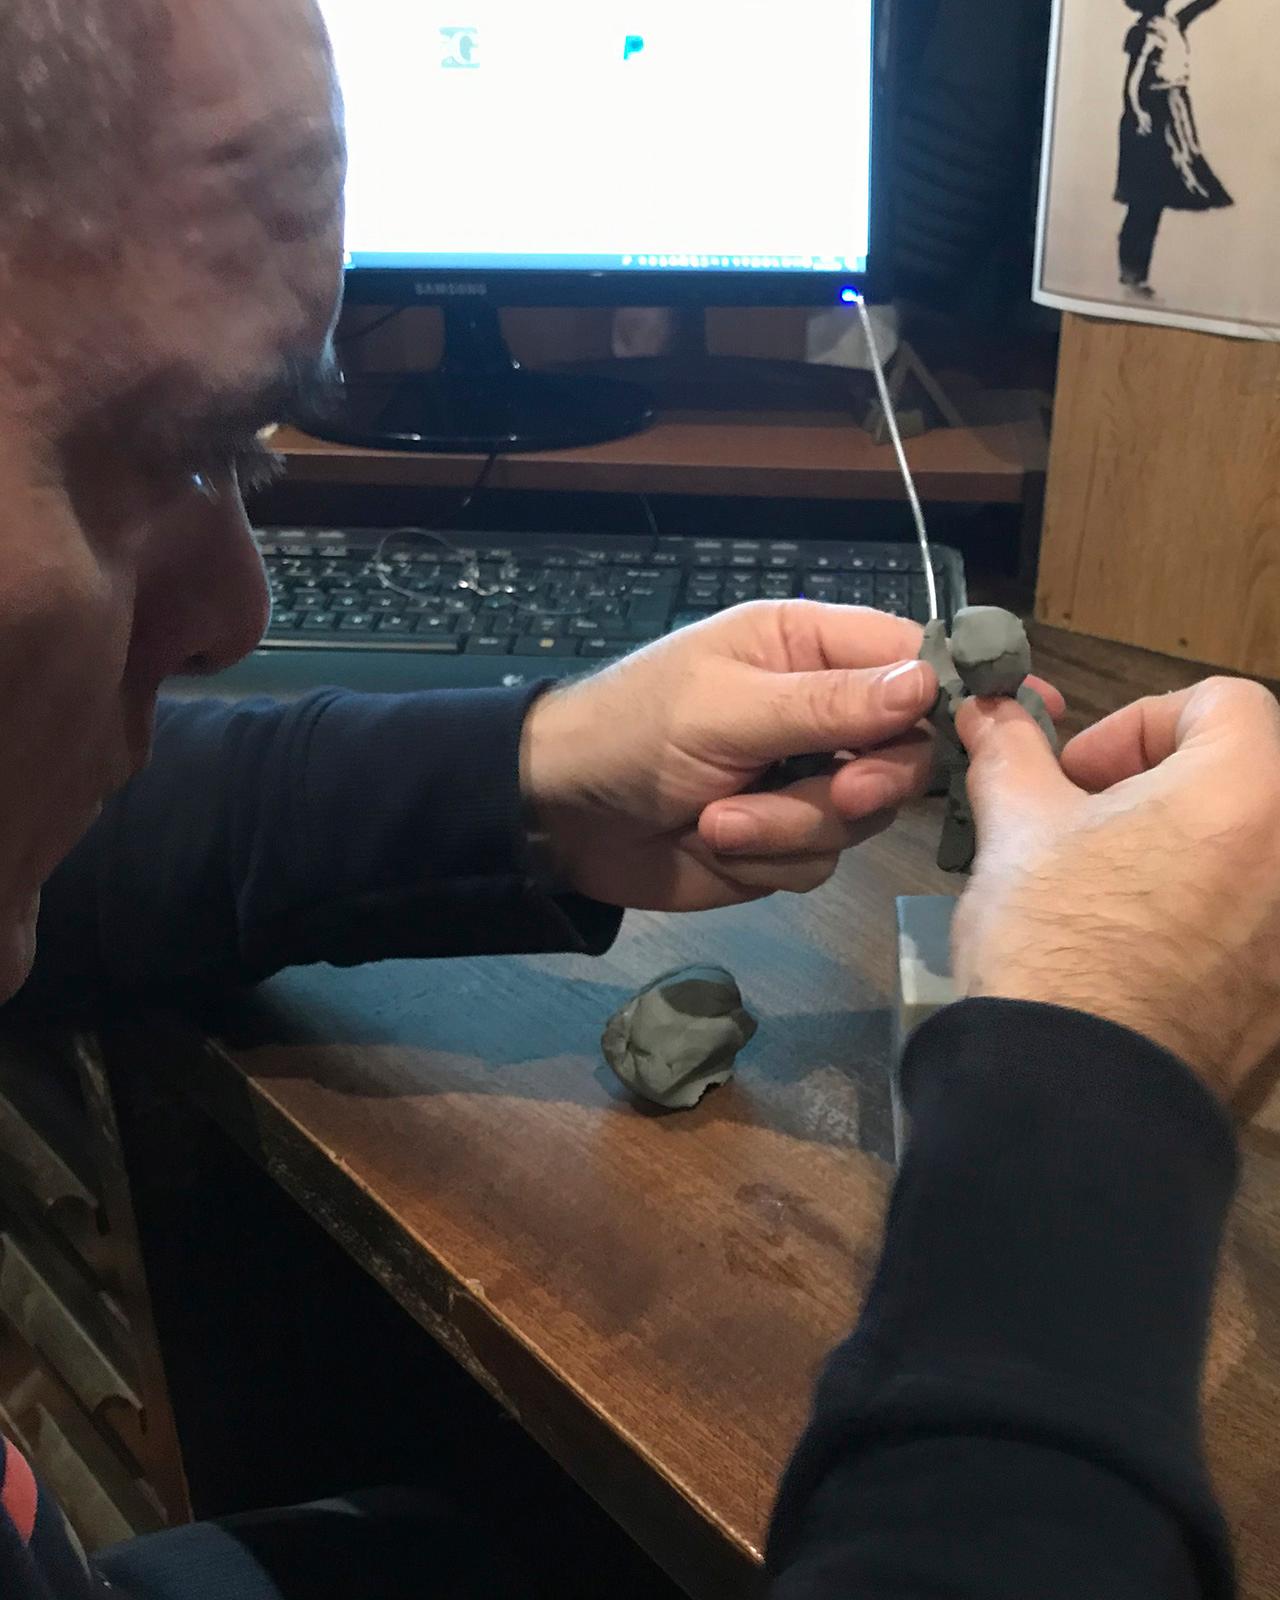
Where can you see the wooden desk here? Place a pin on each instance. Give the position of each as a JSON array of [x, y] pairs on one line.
[[652, 1295]]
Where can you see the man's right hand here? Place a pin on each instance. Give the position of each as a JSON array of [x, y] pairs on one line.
[[1139, 880]]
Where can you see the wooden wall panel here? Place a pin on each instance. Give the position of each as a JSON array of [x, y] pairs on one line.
[[1162, 523]]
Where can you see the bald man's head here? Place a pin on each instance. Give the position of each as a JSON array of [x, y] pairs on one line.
[[171, 177], [77, 90], [170, 184]]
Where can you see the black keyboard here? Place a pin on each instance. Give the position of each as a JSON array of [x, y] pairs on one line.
[[409, 610]]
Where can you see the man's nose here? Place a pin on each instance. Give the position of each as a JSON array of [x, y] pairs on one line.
[[204, 603]]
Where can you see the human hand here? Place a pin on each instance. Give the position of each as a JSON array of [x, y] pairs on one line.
[[1139, 881], [638, 773], [1144, 122]]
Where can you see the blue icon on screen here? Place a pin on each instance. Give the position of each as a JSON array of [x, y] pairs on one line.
[[461, 48], [633, 46]]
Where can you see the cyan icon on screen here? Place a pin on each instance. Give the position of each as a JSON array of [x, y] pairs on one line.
[[461, 48], [633, 46]]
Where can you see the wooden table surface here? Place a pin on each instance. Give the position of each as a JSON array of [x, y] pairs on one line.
[[651, 1295]]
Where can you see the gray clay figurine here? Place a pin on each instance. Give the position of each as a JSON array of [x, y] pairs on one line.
[[987, 654], [679, 1037]]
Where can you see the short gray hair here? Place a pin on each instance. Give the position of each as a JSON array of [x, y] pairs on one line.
[[78, 79]]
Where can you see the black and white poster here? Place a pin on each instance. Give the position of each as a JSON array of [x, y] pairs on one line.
[[1160, 191]]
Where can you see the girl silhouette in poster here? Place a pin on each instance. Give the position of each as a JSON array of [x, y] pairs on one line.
[[1162, 165]]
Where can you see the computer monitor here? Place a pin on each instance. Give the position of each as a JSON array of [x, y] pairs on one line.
[[594, 152]]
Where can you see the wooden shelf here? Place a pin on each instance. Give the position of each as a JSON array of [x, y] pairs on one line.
[[808, 455]]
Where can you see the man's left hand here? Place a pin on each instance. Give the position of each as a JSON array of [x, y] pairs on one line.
[[641, 776]]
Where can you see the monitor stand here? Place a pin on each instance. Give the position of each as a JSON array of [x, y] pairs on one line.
[[481, 401], [688, 377]]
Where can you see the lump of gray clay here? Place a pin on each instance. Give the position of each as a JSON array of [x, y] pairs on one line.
[[679, 1037], [990, 650]]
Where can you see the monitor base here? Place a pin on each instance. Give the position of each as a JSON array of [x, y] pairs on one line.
[[480, 401], [454, 413]]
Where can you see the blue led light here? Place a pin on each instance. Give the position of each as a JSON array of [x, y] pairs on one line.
[[850, 296]]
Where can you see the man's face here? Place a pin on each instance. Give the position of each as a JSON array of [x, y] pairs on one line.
[[134, 378]]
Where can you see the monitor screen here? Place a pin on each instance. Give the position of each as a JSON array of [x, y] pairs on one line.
[[608, 136]]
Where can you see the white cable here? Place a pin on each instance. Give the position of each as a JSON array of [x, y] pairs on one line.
[[904, 466]]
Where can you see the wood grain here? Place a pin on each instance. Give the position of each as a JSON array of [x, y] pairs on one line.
[[818, 455], [1162, 524], [652, 1295]]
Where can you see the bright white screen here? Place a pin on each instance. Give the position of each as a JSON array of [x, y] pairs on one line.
[[597, 135]]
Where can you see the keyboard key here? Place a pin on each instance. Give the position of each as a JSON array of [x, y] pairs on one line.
[[347, 602], [489, 644], [861, 592], [598, 649], [284, 621], [396, 622], [436, 627], [530, 644], [383, 602], [309, 602], [917, 563], [542, 622], [894, 561], [656, 609], [355, 622], [655, 577], [319, 622]]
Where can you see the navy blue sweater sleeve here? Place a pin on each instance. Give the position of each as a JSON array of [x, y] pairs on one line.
[[1017, 1412], [341, 828]]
